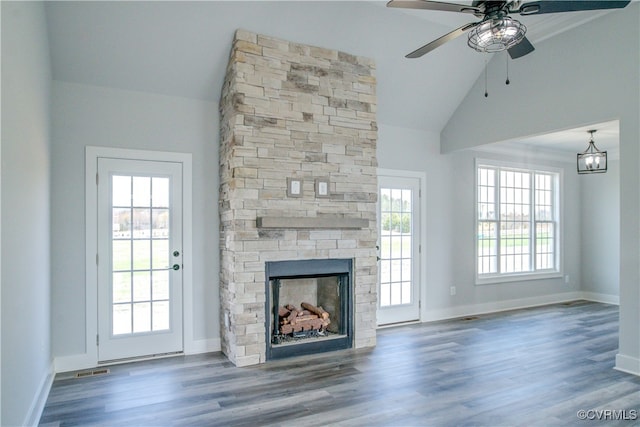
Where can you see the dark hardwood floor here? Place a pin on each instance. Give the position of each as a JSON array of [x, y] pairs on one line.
[[530, 367]]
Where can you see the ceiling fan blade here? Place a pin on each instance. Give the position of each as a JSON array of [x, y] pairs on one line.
[[556, 6], [435, 5], [442, 40], [521, 49]]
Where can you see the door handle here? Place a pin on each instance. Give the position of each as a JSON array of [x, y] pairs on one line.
[[176, 267]]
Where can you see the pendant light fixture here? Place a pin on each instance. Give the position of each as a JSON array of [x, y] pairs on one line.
[[496, 33], [592, 160]]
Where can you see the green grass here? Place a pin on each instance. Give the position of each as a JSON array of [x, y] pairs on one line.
[[521, 240], [397, 246], [121, 256]]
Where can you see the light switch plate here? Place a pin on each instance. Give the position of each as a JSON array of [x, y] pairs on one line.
[[294, 187], [322, 187]]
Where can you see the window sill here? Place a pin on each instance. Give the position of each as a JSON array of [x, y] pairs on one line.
[[517, 277]]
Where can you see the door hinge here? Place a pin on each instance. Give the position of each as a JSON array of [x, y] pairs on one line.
[[419, 248], [97, 340], [96, 259]]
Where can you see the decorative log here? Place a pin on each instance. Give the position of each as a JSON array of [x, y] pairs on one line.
[[307, 325], [283, 312], [289, 307], [292, 315], [301, 319], [316, 310]]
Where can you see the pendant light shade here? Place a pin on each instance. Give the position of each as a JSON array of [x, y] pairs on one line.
[[592, 160], [495, 35]]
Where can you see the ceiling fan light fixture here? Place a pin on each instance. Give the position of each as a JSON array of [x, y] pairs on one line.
[[496, 34], [592, 160]]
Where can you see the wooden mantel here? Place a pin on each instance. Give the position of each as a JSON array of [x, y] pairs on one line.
[[324, 222]]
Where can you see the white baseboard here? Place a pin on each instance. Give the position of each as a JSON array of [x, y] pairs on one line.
[[432, 315], [203, 346], [74, 362], [627, 364], [604, 298], [78, 362], [40, 399]]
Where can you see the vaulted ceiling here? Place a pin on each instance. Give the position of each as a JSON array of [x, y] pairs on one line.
[[181, 48]]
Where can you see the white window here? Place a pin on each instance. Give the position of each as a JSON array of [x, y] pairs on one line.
[[517, 218]]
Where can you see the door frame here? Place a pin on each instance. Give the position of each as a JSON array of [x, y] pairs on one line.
[[91, 236], [422, 252]]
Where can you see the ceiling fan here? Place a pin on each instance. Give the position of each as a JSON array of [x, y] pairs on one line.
[[497, 31]]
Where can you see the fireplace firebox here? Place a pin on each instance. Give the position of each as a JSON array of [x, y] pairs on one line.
[[309, 307]]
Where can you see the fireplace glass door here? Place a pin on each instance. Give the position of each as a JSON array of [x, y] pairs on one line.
[[309, 307]]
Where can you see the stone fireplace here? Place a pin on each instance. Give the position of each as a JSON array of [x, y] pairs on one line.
[[298, 187]]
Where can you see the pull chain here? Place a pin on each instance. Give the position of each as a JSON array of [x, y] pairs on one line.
[[486, 93], [507, 82]]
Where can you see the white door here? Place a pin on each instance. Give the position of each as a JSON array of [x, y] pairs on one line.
[[139, 258], [399, 222]]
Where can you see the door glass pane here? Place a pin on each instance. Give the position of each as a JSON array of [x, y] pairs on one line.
[[160, 286], [160, 315], [140, 254], [121, 194], [395, 246], [396, 294], [142, 317], [385, 247], [121, 319], [141, 286], [406, 269], [141, 223], [160, 192], [121, 222], [121, 255], [160, 248], [160, 223], [121, 287], [385, 294], [141, 191], [406, 293], [396, 270]]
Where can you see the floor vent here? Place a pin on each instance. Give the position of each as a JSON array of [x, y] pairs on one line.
[[92, 373]]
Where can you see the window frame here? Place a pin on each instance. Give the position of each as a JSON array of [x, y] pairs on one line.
[[558, 184]]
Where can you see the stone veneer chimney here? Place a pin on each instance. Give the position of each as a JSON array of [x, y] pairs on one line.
[[294, 111]]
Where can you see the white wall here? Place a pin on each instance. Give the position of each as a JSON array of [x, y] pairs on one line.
[[88, 115], [600, 207], [26, 324], [583, 76], [464, 234], [415, 150], [450, 234]]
